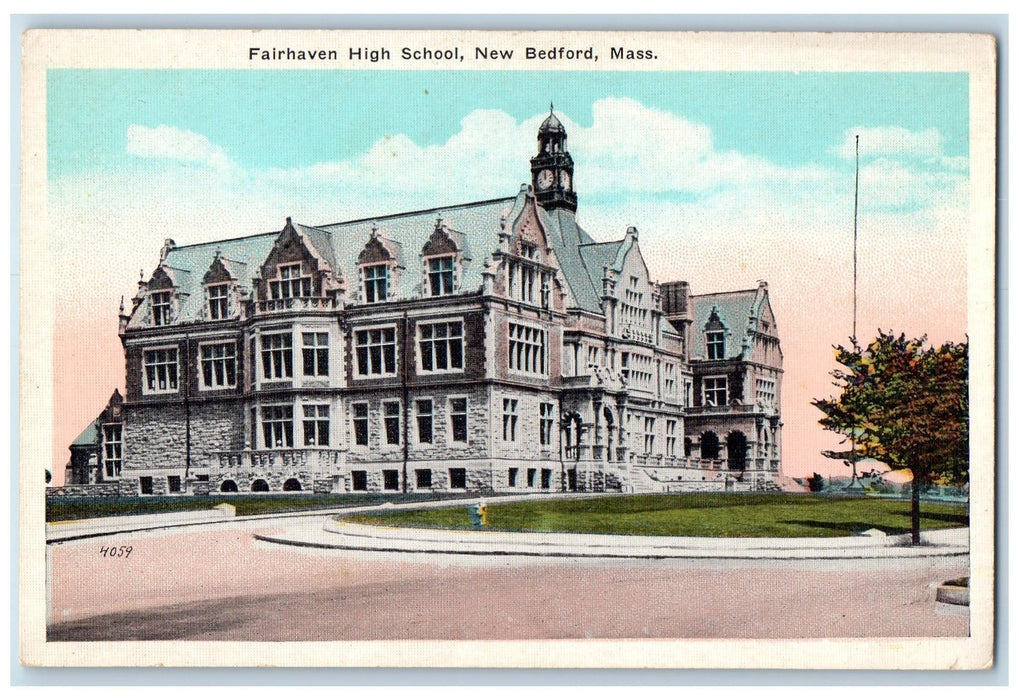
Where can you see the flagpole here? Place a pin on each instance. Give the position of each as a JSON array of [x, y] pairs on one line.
[[855, 484]]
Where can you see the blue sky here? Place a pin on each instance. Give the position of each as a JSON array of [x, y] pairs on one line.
[[266, 119], [730, 178]]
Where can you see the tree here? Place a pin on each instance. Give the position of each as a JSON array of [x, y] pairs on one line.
[[906, 403], [815, 483]]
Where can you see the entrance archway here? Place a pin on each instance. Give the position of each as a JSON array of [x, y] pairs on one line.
[[228, 486], [259, 485], [291, 485]]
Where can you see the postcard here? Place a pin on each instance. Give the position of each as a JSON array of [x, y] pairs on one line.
[[507, 349]]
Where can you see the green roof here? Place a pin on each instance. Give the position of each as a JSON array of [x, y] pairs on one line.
[[477, 224], [89, 436]]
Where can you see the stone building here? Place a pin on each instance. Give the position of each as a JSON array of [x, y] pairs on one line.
[[97, 453], [493, 345]]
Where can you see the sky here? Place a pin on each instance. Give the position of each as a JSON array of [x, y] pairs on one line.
[[730, 178]]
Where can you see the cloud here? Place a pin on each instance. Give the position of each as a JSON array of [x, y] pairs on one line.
[[893, 141], [171, 143]]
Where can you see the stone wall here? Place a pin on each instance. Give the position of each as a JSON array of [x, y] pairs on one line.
[[105, 489], [155, 437], [442, 446]]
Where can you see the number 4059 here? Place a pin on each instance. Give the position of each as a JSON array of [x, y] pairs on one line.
[[123, 551]]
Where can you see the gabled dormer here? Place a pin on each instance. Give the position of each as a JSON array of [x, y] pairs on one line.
[[442, 258], [297, 267], [530, 268], [716, 336], [379, 264], [221, 289], [163, 297]]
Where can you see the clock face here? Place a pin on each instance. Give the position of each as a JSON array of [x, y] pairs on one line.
[[545, 179], [564, 180]]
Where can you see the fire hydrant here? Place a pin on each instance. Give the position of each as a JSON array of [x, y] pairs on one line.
[[479, 515]]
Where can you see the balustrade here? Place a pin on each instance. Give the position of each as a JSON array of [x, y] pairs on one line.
[[275, 306]]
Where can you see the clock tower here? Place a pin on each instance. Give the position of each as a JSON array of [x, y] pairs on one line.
[[552, 168]]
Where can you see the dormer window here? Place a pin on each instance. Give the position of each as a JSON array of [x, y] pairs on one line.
[[291, 283], [161, 308], [218, 305], [376, 283], [716, 345], [440, 275]]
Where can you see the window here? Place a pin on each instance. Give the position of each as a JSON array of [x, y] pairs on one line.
[[546, 478], [765, 390], [509, 420], [252, 354], [521, 282], [218, 302], [457, 478], [360, 412], [145, 485], [278, 426], [316, 424], [219, 366], [290, 283], [376, 351], [458, 419], [423, 478], [390, 480], [649, 436], [670, 379], [112, 450], [511, 477], [359, 480], [376, 283], [441, 346], [316, 354], [716, 345], [440, 275], [527, 277], [160, 370], [532, 477], [424, 415], [391, 411], [670, 438], [715, 391], [528, 250], [173, 484], [545, 423], [526, 349], [636, 370], [277, 356], [161, 307]]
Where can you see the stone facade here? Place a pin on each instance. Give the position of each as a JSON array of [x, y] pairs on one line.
[[489, 346]]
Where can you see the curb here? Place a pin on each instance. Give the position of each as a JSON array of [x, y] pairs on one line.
[[368, 538]]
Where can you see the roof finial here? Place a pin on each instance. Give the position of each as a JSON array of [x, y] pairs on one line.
[[551, 107]]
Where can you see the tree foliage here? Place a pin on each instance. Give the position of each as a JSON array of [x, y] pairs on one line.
[[906, 403]]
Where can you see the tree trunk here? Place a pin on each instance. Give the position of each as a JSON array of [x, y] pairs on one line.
[[914, 514]]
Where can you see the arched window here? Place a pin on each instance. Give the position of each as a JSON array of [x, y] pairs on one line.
[[291, 485], [259, 485], [228, 486]]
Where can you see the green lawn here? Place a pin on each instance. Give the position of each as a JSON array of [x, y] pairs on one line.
[[58, 509], [711, 515]]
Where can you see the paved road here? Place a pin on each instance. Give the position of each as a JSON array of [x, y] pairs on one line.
[[216, 582]]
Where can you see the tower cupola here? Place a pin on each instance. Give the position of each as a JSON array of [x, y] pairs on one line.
[[552, 167]]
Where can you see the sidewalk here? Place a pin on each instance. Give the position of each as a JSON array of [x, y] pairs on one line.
[[337, 534]]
